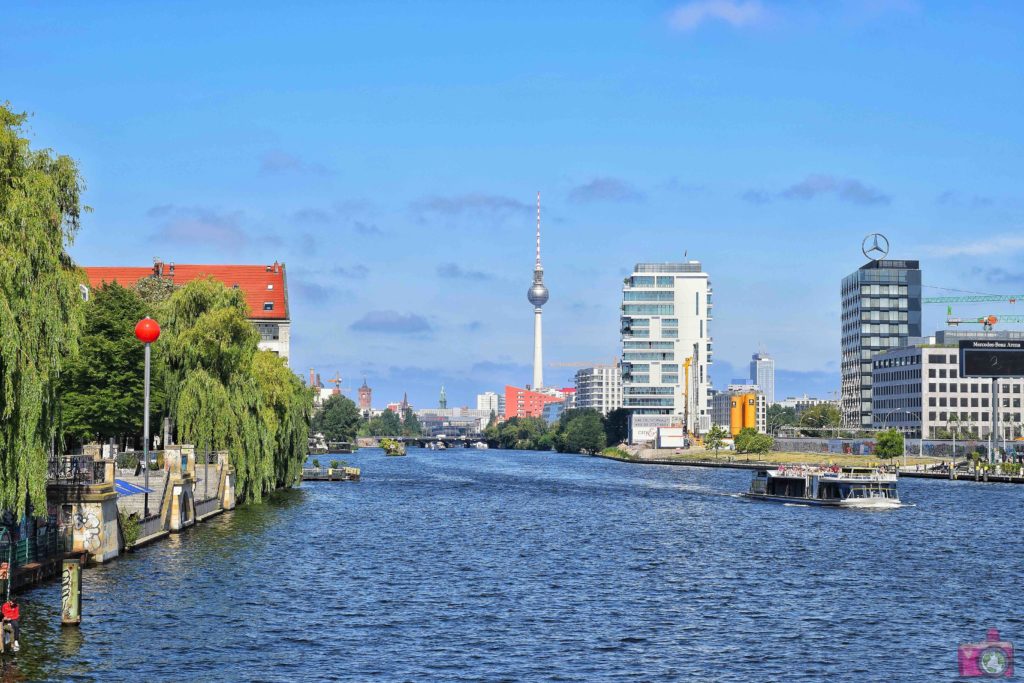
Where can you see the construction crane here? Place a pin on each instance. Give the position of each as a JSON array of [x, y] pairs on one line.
[[336, 381], [986, 321], [971, 299]]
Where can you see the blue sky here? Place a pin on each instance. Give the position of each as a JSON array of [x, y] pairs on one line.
[[389, 154]]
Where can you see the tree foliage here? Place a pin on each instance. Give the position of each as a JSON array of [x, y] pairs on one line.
[[750, 441], [102, 389], [821, 416], [889, 444], [40, 305], [386, 424], [579, 431], [715, 438], [225, 394], [411, 424], [616, 426], [522, 433], [780, 417], [338, 419]]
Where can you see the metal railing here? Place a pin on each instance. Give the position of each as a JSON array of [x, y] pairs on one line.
[[206, 507], [76, 470], [150, 526], [47, 543]]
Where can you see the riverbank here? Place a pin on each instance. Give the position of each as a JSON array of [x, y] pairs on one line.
[[915, 468], [751, 460]]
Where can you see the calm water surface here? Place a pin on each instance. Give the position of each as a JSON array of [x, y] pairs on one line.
[[514, 566]]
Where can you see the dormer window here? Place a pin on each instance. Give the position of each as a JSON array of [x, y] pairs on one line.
[[268, 305]]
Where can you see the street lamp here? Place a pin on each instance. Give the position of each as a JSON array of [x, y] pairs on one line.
[[910, 414], [147, 331]]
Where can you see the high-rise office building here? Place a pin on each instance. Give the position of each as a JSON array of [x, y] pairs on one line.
[[599, 387], [881, 304], [762, 373], [666, 345]]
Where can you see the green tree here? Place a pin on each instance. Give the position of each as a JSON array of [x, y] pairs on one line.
[[386, 424], [744, 440], [780, 417], [616, 426], [760, 444], [411, 424], [715, 438], [579, 431], [103, 387], [155, 290], [338, 419], [40, 305], [225, 394], [889, 444], [821, 416]]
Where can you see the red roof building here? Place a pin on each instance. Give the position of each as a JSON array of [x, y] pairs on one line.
[[264, 286]]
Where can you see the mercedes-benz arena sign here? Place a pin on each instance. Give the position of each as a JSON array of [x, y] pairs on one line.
[[996, 358]]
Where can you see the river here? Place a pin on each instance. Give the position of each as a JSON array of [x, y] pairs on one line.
[[515, 566]]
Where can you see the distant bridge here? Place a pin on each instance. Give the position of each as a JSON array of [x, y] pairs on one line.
[[422, 441]]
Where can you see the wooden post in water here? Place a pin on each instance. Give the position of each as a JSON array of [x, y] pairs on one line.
[[71, 592]]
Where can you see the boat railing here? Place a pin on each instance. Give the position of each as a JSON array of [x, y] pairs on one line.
[[832, 474]]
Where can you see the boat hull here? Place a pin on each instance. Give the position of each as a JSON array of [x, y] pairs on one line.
[[858, 503]]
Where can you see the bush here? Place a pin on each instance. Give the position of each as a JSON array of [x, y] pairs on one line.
[[316, 463], [129, 527], [616, 452], [335, 464], [128, 460]]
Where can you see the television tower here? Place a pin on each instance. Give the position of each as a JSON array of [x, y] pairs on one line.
[[538, 296]]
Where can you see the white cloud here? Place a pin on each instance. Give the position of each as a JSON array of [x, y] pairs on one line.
[[736, 13], [1000, 244]]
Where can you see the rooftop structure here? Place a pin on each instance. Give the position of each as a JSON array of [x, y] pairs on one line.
[[265, 288]]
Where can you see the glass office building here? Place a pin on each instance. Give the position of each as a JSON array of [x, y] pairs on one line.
[[881, 304]]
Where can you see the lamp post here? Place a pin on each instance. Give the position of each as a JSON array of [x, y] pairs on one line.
[[910, 414], [147, 331]]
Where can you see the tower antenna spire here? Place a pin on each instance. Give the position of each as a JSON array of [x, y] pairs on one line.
[[538, 231]]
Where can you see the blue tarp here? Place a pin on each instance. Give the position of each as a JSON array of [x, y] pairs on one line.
[[124, 488]]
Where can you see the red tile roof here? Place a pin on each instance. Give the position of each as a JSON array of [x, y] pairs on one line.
[[260, 284]]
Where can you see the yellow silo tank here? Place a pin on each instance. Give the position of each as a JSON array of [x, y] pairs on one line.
[[735, 415], [750, 411]]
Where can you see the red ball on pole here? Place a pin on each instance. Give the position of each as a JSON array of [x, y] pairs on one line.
[[147, 330]]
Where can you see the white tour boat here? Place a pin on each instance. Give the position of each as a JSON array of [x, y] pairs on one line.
[[853, 487]]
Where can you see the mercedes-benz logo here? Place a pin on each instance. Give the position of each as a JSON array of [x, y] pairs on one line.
[[875, 246]]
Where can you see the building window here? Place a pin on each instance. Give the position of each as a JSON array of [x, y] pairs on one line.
[[268, 305]]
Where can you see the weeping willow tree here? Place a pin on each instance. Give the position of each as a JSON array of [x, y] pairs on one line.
[[40, 305], [227, 395]]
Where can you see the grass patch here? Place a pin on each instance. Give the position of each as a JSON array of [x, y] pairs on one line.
[[616, 452]]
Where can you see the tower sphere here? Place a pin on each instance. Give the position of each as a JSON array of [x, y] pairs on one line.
[[537, 294]]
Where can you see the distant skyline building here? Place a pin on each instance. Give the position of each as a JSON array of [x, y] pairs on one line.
[[538, 296], [488, 401], [365, 397], [521, 402], [881, 310], [762, 373], [666, 308], [442, 401], [599, 387]]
